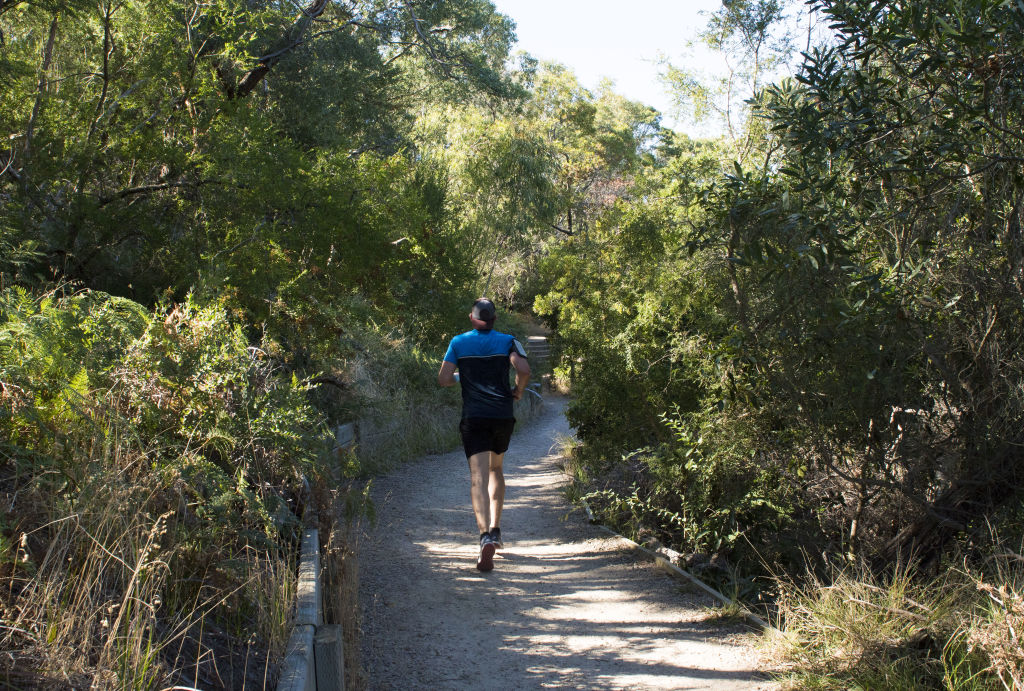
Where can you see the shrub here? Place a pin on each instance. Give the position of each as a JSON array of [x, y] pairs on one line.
[[152, 467], [905, 631]]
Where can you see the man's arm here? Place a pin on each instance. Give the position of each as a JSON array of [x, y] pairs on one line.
[[522, 367], [446, 375]]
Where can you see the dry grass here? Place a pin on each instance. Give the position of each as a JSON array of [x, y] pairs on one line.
[[236, 648], [998, 630], [858, 631], [394, 435], [95, 603], [88, 604], [341, 599]]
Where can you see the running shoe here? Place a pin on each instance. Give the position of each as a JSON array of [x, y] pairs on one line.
[[496, 538], [485, 562]]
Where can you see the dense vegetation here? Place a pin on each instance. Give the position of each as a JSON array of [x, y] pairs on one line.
[[222, 226], [794, 349], [833, 322], [810, 359]]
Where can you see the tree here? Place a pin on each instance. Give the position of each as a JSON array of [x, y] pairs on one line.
[[143, 132], [916, 119], [754, 39], [829, 332]]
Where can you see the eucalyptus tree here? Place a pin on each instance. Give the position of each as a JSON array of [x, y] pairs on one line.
[[754, 40], [150, 144], [500, 172], [534, 171]]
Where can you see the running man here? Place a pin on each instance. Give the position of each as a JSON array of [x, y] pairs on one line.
[[482, 357]]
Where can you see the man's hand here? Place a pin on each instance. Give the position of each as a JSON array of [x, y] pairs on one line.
[[522, 368], [446, 375]]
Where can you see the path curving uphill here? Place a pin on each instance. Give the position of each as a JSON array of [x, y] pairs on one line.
[[567, 606]]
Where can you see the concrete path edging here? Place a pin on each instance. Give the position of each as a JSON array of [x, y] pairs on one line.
[[298, 673]]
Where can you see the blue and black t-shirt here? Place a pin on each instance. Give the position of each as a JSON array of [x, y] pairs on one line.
[[482, 357]]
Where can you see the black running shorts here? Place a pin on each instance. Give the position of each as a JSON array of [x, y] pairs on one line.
[[481, 434]]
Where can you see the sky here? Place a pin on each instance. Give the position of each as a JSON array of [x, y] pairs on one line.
[[618, 40]]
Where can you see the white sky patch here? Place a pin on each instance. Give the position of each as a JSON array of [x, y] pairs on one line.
[[600, 39]]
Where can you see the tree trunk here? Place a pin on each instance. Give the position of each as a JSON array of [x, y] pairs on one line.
[[292, 40], [41, 90]]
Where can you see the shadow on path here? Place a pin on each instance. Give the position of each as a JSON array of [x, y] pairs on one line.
[[566, 606]]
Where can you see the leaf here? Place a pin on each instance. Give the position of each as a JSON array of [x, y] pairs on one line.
[[947, 29]]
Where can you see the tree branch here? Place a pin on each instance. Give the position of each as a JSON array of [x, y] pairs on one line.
[[321, 380], [9, 163], [145, 189], [108, 48], [41, 89], [8, 5], [424, 38], [293, 40]]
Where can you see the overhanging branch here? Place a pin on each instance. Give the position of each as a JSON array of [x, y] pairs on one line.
[[146, 189], [294, 38]]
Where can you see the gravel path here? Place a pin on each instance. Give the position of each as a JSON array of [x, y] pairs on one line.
[[567, 606]]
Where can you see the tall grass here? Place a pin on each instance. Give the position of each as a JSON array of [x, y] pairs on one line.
[[341, 595], [98, 602], [997, 627], [957, 631], [89, 607], [147, 466]]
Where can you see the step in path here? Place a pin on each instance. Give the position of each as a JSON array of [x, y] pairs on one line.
[[538, 348], [567, 606]]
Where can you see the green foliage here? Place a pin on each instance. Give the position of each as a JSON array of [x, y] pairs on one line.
[[755, 41], [172, 420], [87, 368], [834, 333], [620, 299], [166, 157]]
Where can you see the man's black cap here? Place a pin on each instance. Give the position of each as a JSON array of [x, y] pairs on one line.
[[483, 310]]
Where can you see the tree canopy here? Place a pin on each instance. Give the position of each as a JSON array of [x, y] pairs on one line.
[[224, 225]]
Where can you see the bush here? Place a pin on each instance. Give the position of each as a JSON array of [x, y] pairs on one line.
[[137, 446], [905, 631]]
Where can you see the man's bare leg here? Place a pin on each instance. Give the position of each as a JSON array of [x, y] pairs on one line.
[[479, 464], [480, 473], [496, 488]]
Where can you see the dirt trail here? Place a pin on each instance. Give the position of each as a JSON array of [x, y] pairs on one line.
[[567, 606]]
